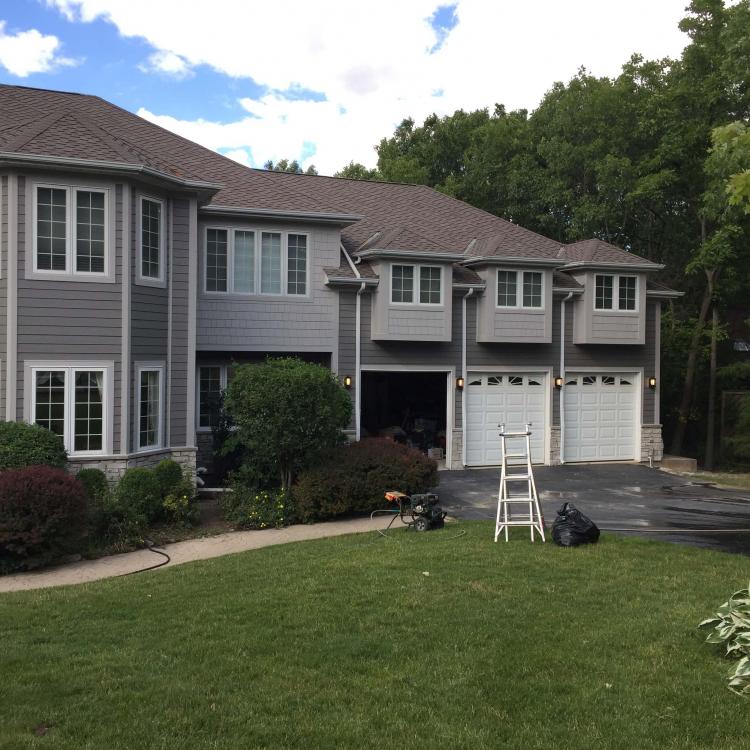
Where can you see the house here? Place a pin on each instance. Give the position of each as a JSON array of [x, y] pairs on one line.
[[137, 267]]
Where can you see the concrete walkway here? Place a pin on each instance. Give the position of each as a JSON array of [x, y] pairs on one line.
[[182, 552]]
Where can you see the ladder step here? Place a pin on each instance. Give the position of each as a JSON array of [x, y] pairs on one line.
[[517, 477], [516, 455]]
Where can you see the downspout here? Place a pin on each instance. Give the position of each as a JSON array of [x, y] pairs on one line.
[[466, 380], [562, 375], [357, 374]]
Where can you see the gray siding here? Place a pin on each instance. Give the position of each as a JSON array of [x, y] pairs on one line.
[[236, 322], [347, 337], [3, 290], [64, 319]]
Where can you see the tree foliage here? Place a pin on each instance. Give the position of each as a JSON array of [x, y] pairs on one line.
[[293, 166]]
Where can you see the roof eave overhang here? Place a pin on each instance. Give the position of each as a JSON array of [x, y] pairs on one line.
[[316, 217], [566, 290], [586, 265], [434, 256], [350, 281], [475, 287], [664, 294], [515, 261], [15, 160]]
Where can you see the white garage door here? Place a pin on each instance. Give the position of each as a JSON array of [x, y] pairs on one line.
[[501, 398], [600, 414]]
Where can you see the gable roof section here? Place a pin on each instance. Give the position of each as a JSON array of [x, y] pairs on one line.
[[598, 252]]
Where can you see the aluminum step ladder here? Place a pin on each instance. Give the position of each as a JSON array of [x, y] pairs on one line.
[[510, 496]]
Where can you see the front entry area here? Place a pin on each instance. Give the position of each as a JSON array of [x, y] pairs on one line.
[[601, 416], [512, 399]]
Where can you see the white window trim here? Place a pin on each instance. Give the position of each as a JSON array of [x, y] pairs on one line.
[[256, 293], [519, 289], [616, 294], [141, 280], [223, 371], [416, 286], [140, 367], [31, 367], [70, 274]]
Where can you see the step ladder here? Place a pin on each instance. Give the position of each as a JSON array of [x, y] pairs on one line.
[[517, 488]]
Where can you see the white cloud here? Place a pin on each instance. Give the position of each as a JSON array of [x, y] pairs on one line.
[[371, 59], [27, 52], [167, 63]]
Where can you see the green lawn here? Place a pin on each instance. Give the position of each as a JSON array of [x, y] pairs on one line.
[[345, 643]]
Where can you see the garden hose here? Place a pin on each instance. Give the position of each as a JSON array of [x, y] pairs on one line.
[[151, 548]]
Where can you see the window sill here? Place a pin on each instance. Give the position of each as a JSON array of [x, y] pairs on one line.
[[247, 297], [156, 283], [86, 278]]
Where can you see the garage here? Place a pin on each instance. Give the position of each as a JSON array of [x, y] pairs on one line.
[[600, 416], [512, 399]]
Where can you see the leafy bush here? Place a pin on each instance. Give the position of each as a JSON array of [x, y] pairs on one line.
[[139, 493], [731, 625], [23, 444], [287, 412], [179, 504], [353, 478], [115, 524], [169, 475], [248, 508], [43, 515], [94, 482]]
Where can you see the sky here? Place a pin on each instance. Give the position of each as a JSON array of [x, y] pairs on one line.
[[321, 81]]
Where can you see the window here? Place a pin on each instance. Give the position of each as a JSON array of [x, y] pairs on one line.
[[216, 260], [70, 401], [151, 264], [150, 406], [212, 380], [270, 263], [70, 229], [244, 262], [532, 288], [429, 285], [297, 264], [403, 279], [616, 292]]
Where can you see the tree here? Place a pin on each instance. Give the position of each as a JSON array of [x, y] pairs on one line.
[[284, 165], [287, 413], [356, 171]]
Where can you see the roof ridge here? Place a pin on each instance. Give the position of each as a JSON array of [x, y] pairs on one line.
[[35, 129], [105, 137]]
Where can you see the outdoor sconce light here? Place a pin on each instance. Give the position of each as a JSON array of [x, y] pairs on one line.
[[459, 384], [558, 382], [652, 383], [347, 381]]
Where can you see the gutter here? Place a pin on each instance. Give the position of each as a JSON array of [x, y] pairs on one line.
[[562, 375], [498, 260], [357, 347], [465, 377], [612, 266], [433, 256], [319, 217]]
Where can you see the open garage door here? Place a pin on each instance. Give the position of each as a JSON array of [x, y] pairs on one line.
[[513, 399], [600, 416]]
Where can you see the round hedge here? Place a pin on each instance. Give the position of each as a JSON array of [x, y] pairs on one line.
[[23, 444]]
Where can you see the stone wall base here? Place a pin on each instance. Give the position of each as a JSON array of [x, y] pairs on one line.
[[652, 446], [457, 442], [116, 466], [554, 445]]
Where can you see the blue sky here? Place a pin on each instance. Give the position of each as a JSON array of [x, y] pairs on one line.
[[320, 82]]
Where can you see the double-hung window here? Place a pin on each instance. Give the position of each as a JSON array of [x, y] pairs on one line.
[[212, 380], [151, 241], [71, 233], [71, 401], [245, 261], [530, 284], [616, 292], [150, 406], [416, 284]]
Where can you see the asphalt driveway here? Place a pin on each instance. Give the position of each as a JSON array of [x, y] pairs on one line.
[[617, 496]]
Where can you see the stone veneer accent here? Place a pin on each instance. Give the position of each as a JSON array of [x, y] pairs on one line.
[[651, 442], [457, 442], [554, 445], [115, 467]]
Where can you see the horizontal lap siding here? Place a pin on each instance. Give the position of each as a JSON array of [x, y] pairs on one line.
[[180, 292], [68, 320], [3, 290], [347, 341]]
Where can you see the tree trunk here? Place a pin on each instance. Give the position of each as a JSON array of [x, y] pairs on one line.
[[710, 421], [687, 390]]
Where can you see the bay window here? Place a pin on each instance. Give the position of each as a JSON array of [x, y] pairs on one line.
[[404, 278], [617, 293], [531, 288]]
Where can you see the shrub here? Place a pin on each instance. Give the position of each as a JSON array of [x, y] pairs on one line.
[[353, 478], [179, 504], [43, 515], [94, 483], [23, 444], [247, 508], [139, 493], [114, 523], [169, 475]]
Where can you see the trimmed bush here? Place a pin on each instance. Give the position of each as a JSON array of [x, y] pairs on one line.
[[43, 516], [168, 474], [139, 494], [247, 508], [94, 482], [23, 444], [353, 479], [179, 504]]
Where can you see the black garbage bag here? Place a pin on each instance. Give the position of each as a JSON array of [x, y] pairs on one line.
[[572, 528]]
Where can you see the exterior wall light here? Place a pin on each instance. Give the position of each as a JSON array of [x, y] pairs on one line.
[[558, 382], [652, 383], [459, 384], [347, 381]]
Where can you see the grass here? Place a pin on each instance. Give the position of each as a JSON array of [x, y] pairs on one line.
[[346, 643], [740, 480]]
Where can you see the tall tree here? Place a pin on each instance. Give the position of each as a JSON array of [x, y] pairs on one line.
[[284, 165]]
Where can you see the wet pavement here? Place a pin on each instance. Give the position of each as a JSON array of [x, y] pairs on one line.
[[617, 496]]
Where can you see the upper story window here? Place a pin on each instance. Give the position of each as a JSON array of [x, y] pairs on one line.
[[616, 292], [531, 288], [429, 291], [244, 261], [151, 241], [71, 233]]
